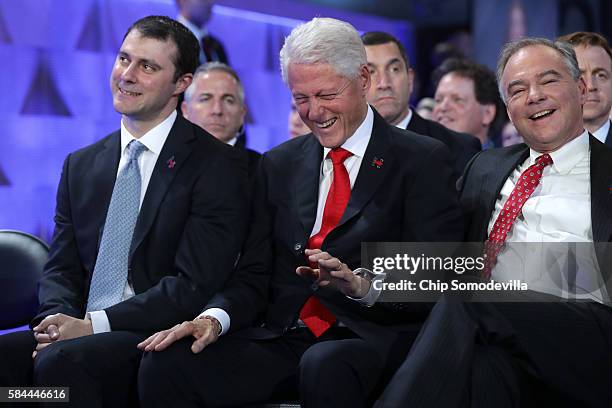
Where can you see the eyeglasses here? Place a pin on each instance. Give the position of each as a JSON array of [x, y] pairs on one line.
[[302, 99]]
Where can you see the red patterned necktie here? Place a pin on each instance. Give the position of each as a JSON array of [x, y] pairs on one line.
[[525, 186], [314, 315]]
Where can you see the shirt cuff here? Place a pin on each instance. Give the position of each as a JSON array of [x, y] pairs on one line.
[[219, 314], [373, 294], [99, 321]]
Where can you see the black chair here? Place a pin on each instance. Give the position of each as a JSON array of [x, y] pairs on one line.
[[22, 258]]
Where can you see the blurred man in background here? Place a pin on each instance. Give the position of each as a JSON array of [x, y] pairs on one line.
[[595, 62], [195, 14], [215, 102], [467, 99], [389, 93]]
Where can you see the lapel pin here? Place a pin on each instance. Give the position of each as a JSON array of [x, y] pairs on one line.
[[171, 163], [378, 163]]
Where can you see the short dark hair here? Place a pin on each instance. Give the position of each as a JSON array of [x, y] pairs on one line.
[[485, 86], [162, 28], [380, 37], [587, 38]]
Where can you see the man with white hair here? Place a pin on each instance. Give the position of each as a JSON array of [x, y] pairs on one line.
[[299, 319]]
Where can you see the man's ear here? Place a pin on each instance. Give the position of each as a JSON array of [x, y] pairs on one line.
[[365, 79], [183, 83], [488, 115]]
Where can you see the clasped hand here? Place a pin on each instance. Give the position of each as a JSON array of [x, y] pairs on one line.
[[59, 327]]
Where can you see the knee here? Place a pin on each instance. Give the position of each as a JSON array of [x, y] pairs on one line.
[[156, 372], [165, 379], [319, 360], [49, 363]]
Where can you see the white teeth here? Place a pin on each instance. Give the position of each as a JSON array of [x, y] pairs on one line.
[[128, 92], [326, 124], [540, 114]]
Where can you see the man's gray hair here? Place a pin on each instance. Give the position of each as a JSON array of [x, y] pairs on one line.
[[210, 67], [564, 49], [324, 40]]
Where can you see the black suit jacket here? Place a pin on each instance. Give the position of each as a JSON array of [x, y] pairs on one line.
[[486, 174], [251, 156], [461, 145], [186, 239], [409, 198], [609, 137], [213, 49]]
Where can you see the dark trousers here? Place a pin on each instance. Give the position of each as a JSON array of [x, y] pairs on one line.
[[101, 370], [336, 370], [508, 355]]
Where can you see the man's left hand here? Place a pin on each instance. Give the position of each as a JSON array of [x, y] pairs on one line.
[[60, 327], [331, 271]]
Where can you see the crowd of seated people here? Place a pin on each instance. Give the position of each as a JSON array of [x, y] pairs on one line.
[[187, 270]]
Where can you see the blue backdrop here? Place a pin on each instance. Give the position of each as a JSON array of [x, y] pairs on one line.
[[55, 61]]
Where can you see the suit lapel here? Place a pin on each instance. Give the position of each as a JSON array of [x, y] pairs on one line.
[[609, 137], [306, 173], [494, 181], [104, 175], [418, 125], [601, 191], [375, 166], [171, 158]]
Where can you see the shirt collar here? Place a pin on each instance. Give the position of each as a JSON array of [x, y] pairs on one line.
[[403, 124], [232, 141], [568, 156], [602, 132], [358, 141], [199, 32], [154, 139]]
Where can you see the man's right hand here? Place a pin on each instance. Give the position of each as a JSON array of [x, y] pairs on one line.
[[204, 329]]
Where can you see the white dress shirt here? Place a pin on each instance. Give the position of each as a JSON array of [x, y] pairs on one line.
[[356, 144], [154, 140], [602, 133], [558, 211], [403, 124]]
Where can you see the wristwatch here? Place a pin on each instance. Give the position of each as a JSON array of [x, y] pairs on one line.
[[365, 274]]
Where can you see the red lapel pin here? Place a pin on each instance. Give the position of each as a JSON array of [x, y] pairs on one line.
[[171, 163], [378, 163]]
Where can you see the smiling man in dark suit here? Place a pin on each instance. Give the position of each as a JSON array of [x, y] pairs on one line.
[[556, 351], [392, 83], [300, 318], [149, 223]]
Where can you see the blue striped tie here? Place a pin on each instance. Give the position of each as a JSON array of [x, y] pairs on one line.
[[110, 273]]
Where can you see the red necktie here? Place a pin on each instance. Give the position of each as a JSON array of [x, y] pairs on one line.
[[314, 315], [525, 186]]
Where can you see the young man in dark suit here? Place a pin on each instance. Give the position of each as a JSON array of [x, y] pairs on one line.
[[149, 223], [392, 83], [550, 191], [595, 61], [300, 319]]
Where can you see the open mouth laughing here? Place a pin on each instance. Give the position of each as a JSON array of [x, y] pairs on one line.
[[542, 114]]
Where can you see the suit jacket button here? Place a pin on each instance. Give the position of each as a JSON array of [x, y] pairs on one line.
[[297, 246]]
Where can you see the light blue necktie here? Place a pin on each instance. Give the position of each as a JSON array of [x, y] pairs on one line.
[[110, 273]]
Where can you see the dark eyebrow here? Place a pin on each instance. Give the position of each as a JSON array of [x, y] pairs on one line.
[[548, 72], [393, 61], [516, 82], [142, 61]]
